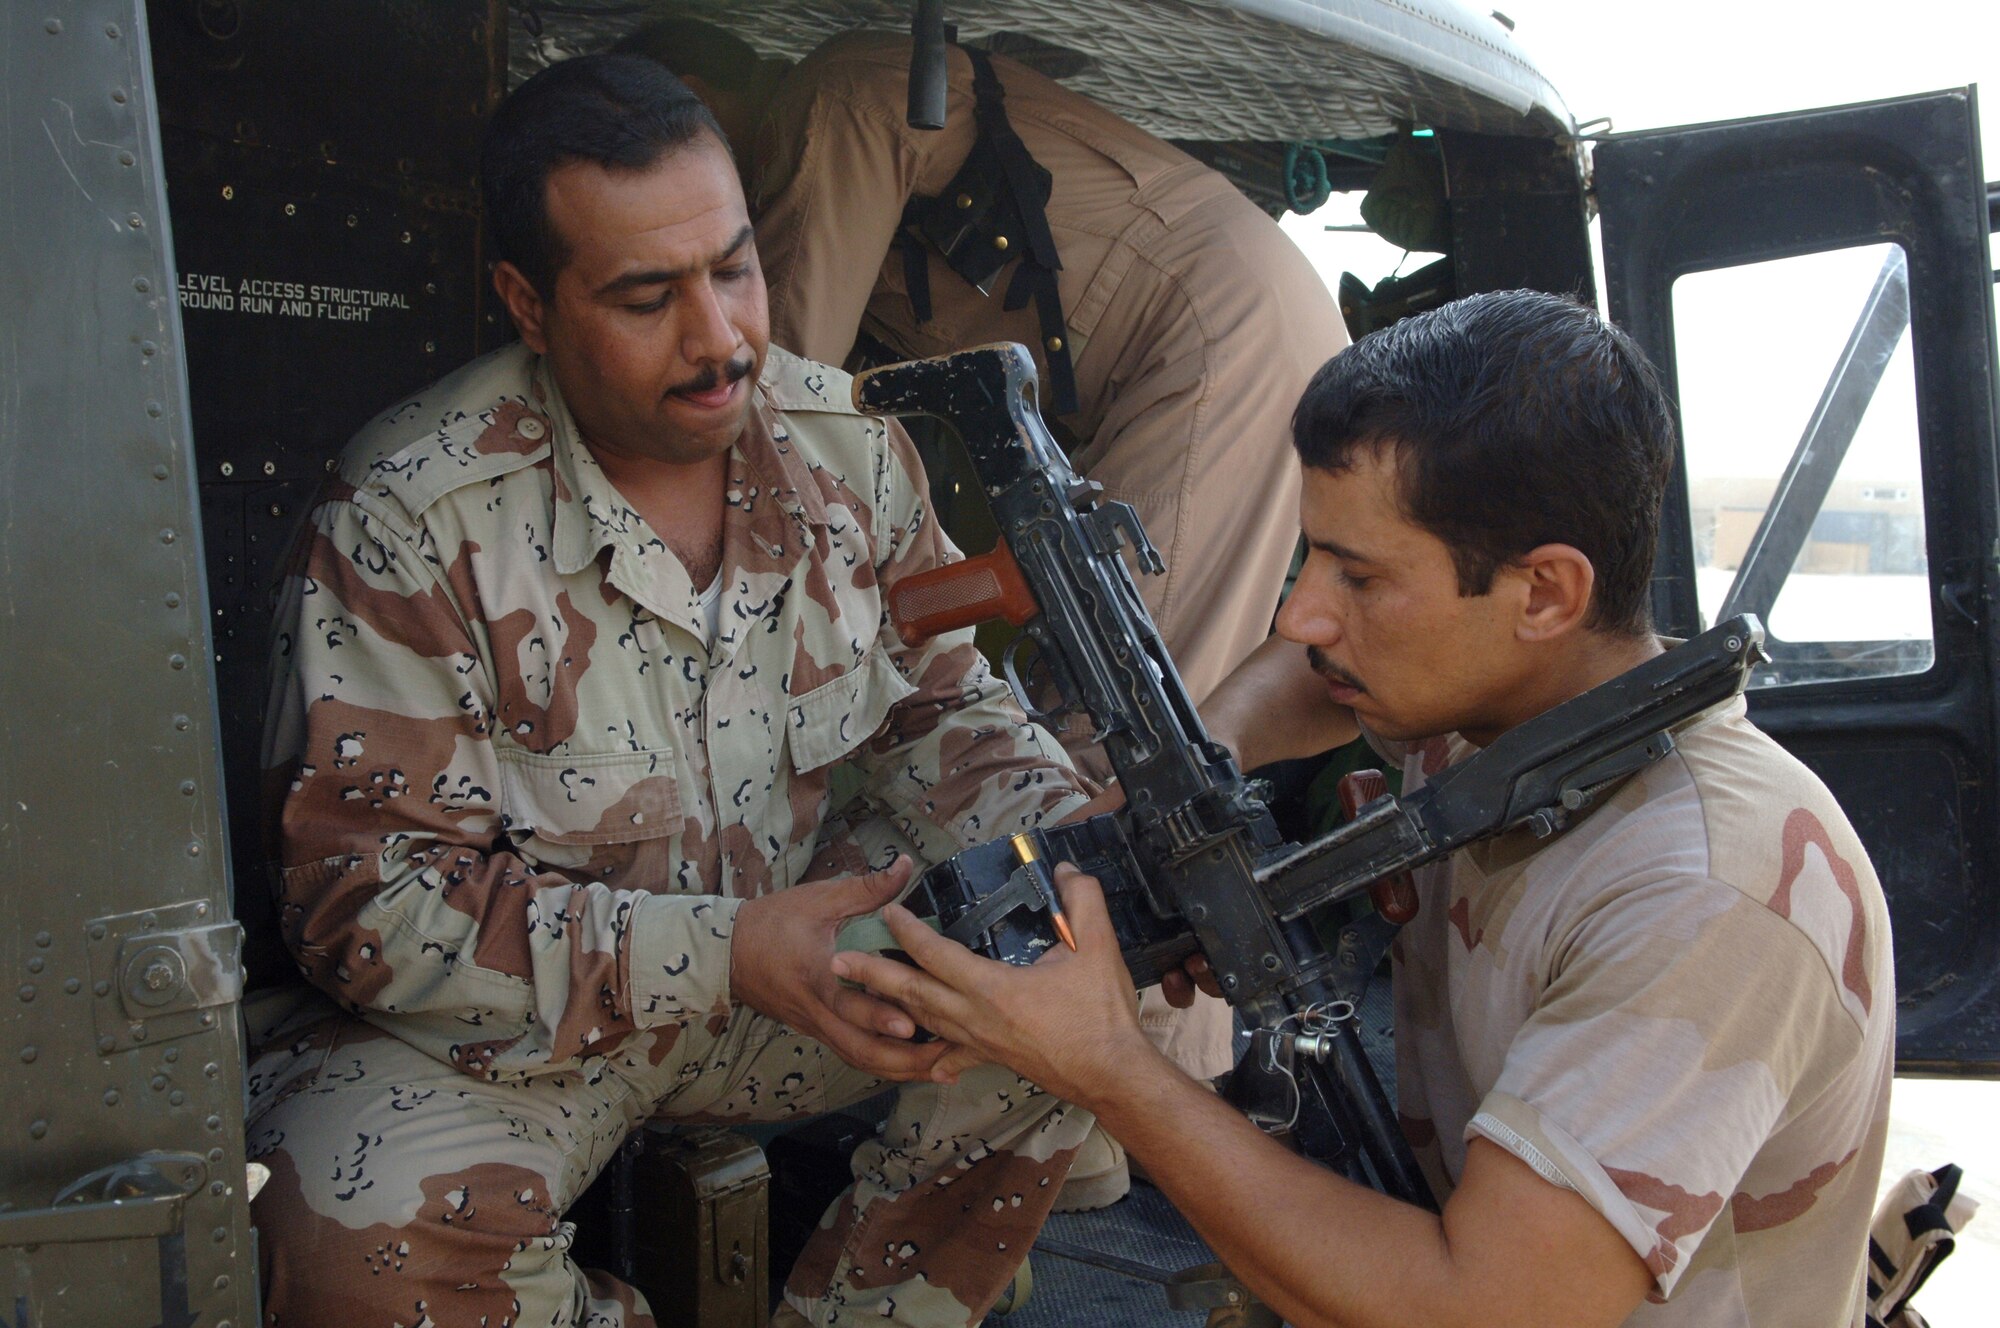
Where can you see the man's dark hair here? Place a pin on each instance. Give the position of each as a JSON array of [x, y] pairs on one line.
[[694, 48], [621, 112], [1516, 419]]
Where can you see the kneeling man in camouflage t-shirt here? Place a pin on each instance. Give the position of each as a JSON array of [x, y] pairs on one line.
[[1645, 1063]]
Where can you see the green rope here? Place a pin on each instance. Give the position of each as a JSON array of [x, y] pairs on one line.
[[1307, 185]]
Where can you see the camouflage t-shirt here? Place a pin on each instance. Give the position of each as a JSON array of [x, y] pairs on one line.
[[1682, 1009], [525, 789]]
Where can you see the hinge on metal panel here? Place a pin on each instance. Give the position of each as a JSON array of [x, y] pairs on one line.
[[161, 973], [128, 1200]]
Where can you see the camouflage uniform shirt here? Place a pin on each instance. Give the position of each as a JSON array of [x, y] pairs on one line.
[[1682, 1009], [525, 791]]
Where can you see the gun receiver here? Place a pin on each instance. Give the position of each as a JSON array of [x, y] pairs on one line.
[[1194, 860], [1058, 574]]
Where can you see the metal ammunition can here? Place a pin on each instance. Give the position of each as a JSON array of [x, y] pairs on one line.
[[701, 1249]]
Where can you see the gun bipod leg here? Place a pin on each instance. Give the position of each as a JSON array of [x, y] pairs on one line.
[[1307, 1079], [1276, 1088], [1342, 1071]]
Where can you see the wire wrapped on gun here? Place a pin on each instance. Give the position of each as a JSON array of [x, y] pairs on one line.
[[1194, 861]]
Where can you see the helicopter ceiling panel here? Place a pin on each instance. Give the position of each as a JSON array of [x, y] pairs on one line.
[[1332, 69]]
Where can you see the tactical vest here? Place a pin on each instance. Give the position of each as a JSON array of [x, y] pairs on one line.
[[992, 212]]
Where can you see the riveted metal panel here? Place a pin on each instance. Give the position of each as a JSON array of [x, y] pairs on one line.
[[110, 787]]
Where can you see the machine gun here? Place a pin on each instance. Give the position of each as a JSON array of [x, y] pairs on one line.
[[1194, 861]]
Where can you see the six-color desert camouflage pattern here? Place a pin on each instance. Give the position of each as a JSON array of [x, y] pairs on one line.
[[1684, 1010], [523, 797]]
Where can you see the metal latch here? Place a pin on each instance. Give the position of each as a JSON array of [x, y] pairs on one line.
[[1212, 1287], [734, 1213], [161, 973], [126, 1201]]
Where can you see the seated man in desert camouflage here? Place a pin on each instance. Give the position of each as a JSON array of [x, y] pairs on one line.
[[1173, 323], [575, 643]]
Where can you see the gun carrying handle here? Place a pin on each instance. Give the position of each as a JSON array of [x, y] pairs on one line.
[[961, 594]]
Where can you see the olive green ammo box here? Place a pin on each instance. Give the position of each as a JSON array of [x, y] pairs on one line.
[[700, 1251]]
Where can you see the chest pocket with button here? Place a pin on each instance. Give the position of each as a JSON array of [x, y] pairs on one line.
[[579, 802], [839, 715]]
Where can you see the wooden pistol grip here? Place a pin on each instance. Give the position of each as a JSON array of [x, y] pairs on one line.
[[961, 594], [1395, 896]]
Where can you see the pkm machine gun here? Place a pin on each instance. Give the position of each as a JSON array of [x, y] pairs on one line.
[[1194, 860]]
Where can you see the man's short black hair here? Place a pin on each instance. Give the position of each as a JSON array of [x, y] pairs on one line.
[[621, 112], [694, 48], [1516, 419]]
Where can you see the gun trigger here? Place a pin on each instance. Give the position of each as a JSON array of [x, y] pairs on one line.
[[1011, 670]]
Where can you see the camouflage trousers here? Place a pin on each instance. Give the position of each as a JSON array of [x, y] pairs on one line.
[[406, 1192]]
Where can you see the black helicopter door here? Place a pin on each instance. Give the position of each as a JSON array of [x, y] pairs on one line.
[[1817, 289]]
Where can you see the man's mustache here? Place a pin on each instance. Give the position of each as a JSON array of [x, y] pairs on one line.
[[1326, 668], [711, 378]]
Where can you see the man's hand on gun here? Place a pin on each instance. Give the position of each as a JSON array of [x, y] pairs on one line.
[[1194, 975], [779, 967], [1068, 1022]]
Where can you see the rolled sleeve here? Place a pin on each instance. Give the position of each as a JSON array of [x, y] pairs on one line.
[[1661, 1058], [1558, 1158], [680, 958]]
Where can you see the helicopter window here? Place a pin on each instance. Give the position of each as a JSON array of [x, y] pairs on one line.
[[1798, 400]]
